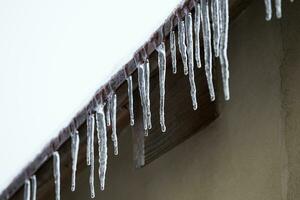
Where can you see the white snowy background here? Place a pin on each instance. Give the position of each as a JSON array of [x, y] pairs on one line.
[[53, 56]]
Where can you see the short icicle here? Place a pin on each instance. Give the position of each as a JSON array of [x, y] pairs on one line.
[[207, 46], [91, 126], [173, 51], [130, 99], [113, 112], [143, 97], [278, 8], [102, 143], [27, 190], [74, 155], [197, 27], [108, 109], [268, 5], [33, 187], [216, 25], [182, 45], [161, 49], [224, 19], [147, 93], [190, 53], [56, 174]]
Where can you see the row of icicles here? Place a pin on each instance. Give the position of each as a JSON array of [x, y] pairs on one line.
[[215, 16]]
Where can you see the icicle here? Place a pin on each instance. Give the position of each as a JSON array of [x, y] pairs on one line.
[[91, 123], [27, 190], [130, 99], [113, 112], [147, 92], [207, 46], [268, 6], [56, 173], [108, 109], [74, 155], [173, 51], [33, 187], [102, 142], [224, 19], [182, 46], [197, 27], [143, 97], [161, 49], [190, 52], [216, 25], [278, 8]]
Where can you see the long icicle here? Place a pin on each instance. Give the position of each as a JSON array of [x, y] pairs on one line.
[[142, 85], [278, 8], [91, 122], [27, 190], [268, 5], [113, 113], [74, 155], [56, 173], [197, 27], [33, 187], [190, 52], [173, 51], [102, 143], [207, 47], [216, 25], [161, 49], [182, 46], [224, 18], [130, 99], [147, 92]]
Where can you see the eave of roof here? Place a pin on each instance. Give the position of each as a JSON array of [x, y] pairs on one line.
[[114, 83]]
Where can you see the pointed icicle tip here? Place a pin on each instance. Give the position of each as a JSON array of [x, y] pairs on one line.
[[268, 7], [278, 9]]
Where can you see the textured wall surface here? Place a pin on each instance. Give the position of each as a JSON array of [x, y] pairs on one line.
[[252, 151]]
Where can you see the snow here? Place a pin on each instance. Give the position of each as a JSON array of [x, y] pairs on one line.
[[54, 55]]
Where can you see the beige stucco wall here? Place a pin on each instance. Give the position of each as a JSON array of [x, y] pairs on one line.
[[252, 151]]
